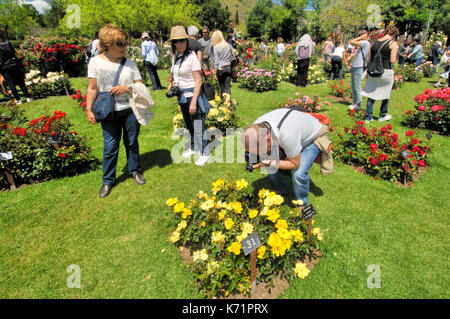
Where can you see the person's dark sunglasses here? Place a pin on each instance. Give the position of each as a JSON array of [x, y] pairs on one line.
[[121, 44]]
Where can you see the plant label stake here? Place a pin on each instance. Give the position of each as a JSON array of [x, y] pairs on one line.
[[429, 136], [405, 155], [5, 157], [308, 213], [53, 141], [249, 246]]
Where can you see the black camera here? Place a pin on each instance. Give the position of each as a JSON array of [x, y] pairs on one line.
[[251, 160], [174, 91]]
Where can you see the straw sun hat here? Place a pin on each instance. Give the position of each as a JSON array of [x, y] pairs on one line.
[[178, 33]]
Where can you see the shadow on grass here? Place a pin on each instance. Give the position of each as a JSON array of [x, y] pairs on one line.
[[265, 183], [160, 158]]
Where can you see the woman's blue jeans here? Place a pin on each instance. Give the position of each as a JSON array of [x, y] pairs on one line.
[[356, 83], [112, 130], [383, 108], [300, 176]]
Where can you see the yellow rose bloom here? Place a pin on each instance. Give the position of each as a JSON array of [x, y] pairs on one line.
[[200, 255], [297, 235], [301, 270], [298, 202], [229, 223], [252, 213], [235, 248], [202, 224], [261, 251], [247, 228], [186, 212], [212, 266], [207, 205], [217, 237], [237, 207], [281, 223], [316, 232], [182, 225], [284, 233], [172, 201], [241, 184], [263, 193], [222, 214], [179, 207], [175, 237], [273, 215], [217, 98], [241, 237]]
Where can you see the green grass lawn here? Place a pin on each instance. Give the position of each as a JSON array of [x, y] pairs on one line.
[[121, 243]]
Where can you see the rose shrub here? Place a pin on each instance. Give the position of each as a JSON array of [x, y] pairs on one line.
[[258, 80], [409, 73], [222, 114], [431, 111], [43, 149], [340, 89], [376, 152], [54, 54], [212, 227], [306, 104], [53, 84]]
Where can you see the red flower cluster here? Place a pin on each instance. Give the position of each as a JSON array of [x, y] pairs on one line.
[[43, 124], [80, 98]]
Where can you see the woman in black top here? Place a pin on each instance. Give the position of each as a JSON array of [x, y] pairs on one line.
[[10, 69], [379, 88]]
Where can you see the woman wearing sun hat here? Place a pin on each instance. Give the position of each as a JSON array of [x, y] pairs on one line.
[[186, 84]]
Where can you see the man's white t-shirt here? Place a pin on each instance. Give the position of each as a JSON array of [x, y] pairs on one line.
[[298, 130], [182, 75], [280, 47], [105, 72], [339, 51]]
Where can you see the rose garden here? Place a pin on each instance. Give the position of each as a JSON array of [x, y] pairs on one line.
[[179, 236]]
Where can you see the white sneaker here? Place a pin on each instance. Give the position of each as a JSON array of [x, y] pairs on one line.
[[202, 160], [352, 107], [29, 99], [437, 85], [18, 102], [188, 153], [387, 117]]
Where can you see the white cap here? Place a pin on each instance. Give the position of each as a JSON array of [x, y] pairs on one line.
[[192, 30]]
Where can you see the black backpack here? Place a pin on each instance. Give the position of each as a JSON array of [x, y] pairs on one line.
[[375, 67]]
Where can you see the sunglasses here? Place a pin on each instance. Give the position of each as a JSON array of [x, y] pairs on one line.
[[121, 44], [177, 41]]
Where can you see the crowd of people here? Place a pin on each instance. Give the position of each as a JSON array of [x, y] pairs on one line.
[[192, 52]]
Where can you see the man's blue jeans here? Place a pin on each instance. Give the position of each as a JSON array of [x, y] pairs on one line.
[[356, 83], [112, 130], [383, 108], [300, 176]]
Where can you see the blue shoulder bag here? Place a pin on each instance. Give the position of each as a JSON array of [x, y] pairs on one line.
[[103, 107]]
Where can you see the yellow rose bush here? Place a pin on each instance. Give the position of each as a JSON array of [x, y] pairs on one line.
[[212, 226], [222, 114]]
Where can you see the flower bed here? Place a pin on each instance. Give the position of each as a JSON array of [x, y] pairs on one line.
[[410, 74], [377, 152], [306, 104], [258, 80], [339, 89], [213, 228], [316, 74], [54, 55], [53, 84], [222, 114], [431, 111], [43, 149], [427, 69]]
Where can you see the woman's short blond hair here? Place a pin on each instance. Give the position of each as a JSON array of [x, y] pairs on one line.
[[109, 35]]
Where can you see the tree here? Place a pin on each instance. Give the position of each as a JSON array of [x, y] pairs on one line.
[[259, 20], [134, 16], [212, 14], [54, 14], [17, 17]]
